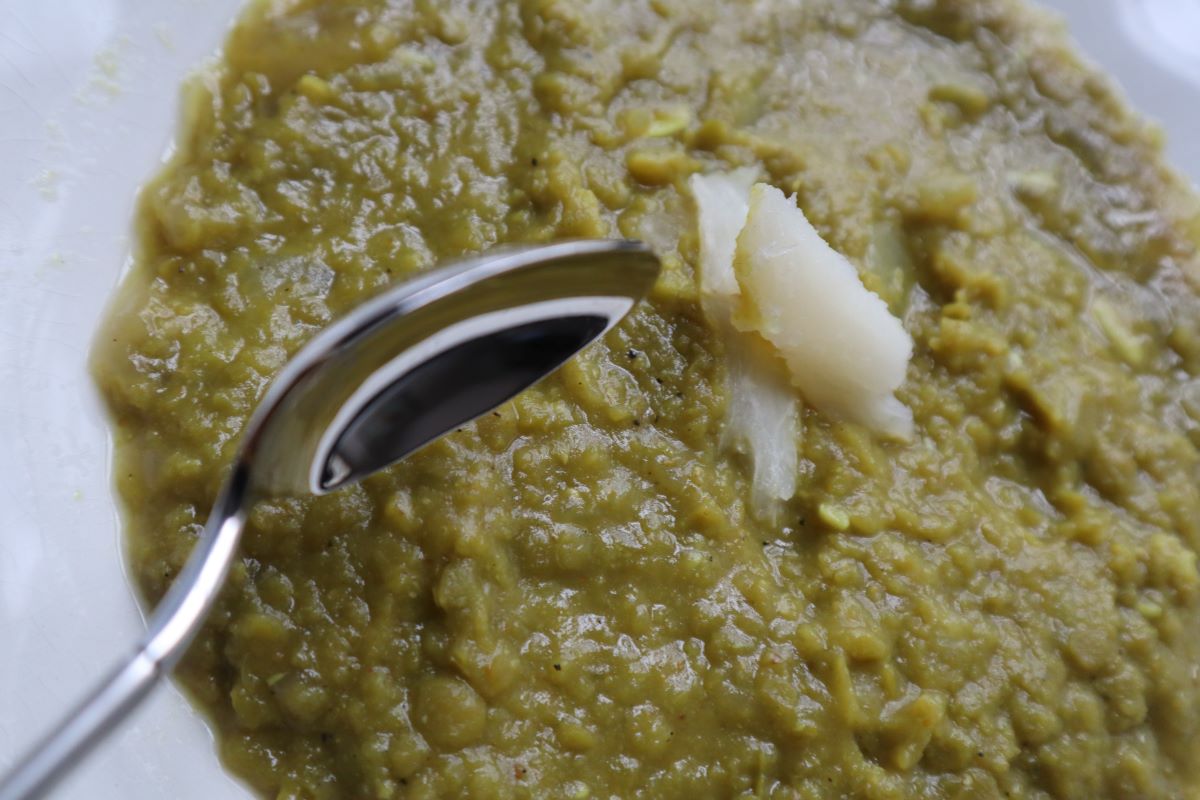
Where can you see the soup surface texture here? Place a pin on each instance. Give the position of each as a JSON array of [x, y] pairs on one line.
[[572, 597]]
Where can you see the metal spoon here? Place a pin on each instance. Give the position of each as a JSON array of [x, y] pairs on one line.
[[393, 375]]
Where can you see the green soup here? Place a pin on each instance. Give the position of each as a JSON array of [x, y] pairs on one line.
[[570, 598]]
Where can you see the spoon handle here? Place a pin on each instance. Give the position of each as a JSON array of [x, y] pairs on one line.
[[111, 701], [173, 625]]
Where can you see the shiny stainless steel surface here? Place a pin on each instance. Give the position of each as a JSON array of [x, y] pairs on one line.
[[391, 376]]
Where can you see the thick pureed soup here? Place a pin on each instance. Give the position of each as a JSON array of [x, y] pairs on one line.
[[574, 597]]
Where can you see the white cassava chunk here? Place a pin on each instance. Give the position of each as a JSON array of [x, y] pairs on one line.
[[845, 351], [762, 414]]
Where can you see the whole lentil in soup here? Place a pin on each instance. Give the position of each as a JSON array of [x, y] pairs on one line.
[[570, 598]]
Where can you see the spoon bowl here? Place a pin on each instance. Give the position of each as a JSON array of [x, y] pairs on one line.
[[431, 354]]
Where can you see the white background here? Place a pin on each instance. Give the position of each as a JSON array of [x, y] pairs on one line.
[[87, 105]]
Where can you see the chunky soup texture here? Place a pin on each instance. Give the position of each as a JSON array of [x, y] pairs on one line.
[[571, 597]]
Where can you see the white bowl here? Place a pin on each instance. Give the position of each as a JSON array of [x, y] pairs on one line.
[[87, 106]]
